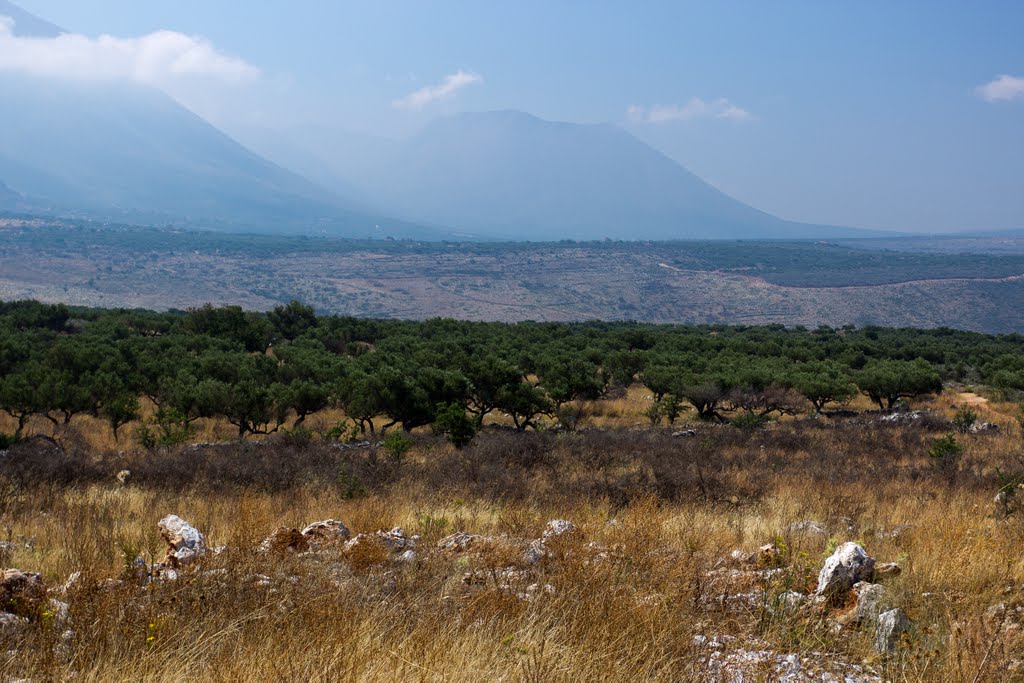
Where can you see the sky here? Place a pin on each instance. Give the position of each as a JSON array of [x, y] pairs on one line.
[[894, 115]]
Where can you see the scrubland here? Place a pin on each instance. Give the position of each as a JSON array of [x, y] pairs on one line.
[[644, 589]]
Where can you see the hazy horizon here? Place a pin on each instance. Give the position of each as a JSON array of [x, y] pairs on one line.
[[904, 118]]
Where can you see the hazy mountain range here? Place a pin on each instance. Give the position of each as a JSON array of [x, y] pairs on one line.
[[128, 152]]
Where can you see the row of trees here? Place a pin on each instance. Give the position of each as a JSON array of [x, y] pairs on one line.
[[262, 371]]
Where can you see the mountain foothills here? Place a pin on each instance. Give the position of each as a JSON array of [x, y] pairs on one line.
[[511, 175], [128, 152]]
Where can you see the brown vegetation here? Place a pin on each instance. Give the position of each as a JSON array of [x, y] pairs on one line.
[[632, 596]]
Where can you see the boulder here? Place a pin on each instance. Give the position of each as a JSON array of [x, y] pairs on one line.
[[848, 565], [184, 542], [284, 539], [892, 624], [872, 600], [327, 530], [22, 593]]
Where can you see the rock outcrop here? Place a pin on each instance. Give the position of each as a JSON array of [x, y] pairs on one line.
[[848, 565], [185, 543]]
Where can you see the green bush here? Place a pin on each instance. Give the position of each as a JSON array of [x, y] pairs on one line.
[[946, 448], [397, 445], [455, 424], [749, 421], [8, 440], [964, 419]]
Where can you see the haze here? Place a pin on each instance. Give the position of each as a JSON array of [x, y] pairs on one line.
[[907, 117]]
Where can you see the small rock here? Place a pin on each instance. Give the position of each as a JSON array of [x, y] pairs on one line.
[[790, 602], [559, 527], [891, 627], [184, 541], [872, 600], [740, 556], [808, 527], [407, 556], [768, 555], [535, 552], [458, 542], [22, 593], [848, 565], [327, 530], [123, 476]]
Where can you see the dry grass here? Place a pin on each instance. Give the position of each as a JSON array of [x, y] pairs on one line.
[[666, 509]]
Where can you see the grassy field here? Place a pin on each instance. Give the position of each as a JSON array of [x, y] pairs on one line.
[[644, 589]]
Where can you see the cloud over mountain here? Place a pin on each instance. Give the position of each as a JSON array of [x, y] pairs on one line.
[[451, 84], [155, 59], [695, 108]]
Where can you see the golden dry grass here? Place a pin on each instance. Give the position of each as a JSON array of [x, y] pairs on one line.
[[630, 615]]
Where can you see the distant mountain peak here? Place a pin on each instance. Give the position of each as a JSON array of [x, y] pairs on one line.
[[28, 25]]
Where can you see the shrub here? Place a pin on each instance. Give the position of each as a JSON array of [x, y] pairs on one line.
[[8, 440], [749, 421], [397, 445], [166, 428], [946, 448], [453, 422], [964, 419]]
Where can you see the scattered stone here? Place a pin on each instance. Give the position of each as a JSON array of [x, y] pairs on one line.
[[459, 541], [808, 527], [559, 527], [790, 602], [685, 433], [123, 476], [327, 530], [11, 622], [891, 627], [768, 555], [872, 600], [407, 556], [535, 552], [740, 556], [848, 565], [983, 428], [284, 539], [72, 581], [185, 543], [22, 593]]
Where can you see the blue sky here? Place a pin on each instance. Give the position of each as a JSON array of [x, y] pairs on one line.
[[864, 114]]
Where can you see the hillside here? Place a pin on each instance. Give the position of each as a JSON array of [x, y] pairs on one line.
[[510, 175]]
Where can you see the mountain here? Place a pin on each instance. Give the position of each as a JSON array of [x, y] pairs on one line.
[[131, 153], [511, 175], [26, 24]]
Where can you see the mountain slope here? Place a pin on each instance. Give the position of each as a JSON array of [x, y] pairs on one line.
[[26, 24], [128, 152], [509, 174]]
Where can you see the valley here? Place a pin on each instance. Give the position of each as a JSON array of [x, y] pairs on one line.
[[742, 282]]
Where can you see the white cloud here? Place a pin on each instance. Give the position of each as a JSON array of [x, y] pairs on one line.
[[696, 108], [1002, 88], [158, 59], [433, 93]]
